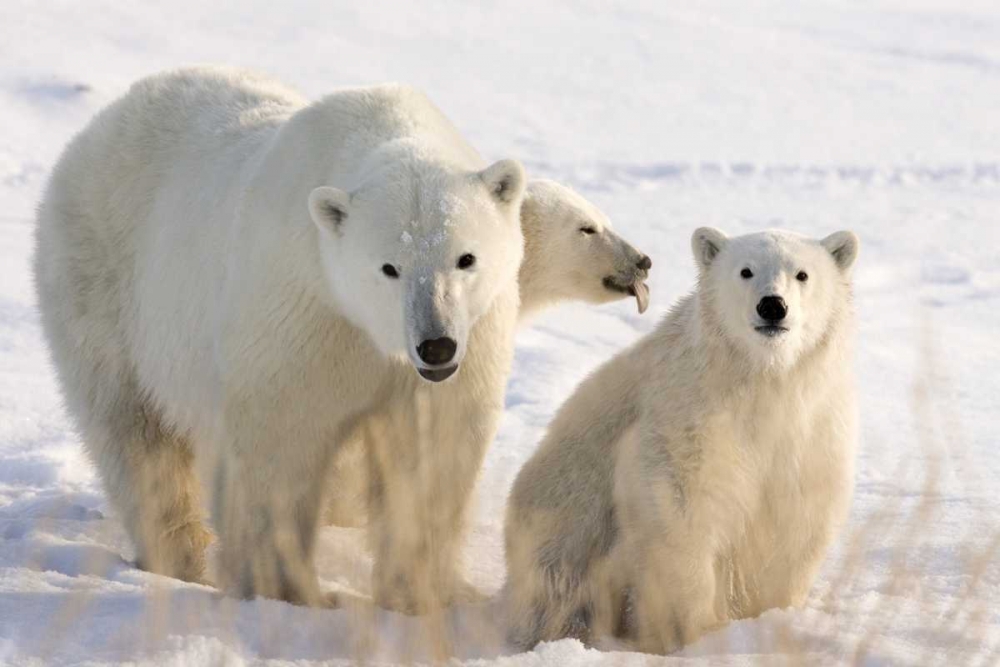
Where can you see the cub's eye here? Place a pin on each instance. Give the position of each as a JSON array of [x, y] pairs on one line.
[[747, 274], [588, 230], [466, 260], [390, 271], [802, 276]]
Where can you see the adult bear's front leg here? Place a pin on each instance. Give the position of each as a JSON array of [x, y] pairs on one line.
[[266, 509], [424, 459]]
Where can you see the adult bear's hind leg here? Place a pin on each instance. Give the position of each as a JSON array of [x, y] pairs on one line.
[[85, 282], [148, 475]]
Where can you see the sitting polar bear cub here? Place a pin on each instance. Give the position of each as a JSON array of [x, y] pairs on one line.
[[700, 475], [227, 270], [570, 253]]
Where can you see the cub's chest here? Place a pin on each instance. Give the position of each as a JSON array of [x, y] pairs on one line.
[[777, 444], [794, 479]]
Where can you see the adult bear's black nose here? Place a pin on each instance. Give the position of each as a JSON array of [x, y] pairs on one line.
[[437, 351], [645, 263], [772, 308]]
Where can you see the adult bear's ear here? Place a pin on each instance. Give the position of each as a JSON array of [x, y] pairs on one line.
[[505, 180], [706, 243], [328, 208], [844, 247]]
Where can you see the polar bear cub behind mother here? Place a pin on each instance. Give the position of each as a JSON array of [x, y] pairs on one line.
[[225, 268]]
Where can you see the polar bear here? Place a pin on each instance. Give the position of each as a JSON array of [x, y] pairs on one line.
[[571, 253], [227, 270], [701, 474]]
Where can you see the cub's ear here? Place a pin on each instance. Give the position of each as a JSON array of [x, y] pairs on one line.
[[706, 243], [328, 208], [505, 180], [844, 247]]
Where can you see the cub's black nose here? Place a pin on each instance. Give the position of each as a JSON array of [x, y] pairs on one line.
[[437, 351], [645, 263], [772, 308]]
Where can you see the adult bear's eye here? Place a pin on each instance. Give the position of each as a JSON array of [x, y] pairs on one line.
[[802, 276], [588, 230], [390, 270], [466, 260], [747, 274]]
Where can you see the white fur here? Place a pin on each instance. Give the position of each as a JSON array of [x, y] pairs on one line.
[[208, 267], [570, 250], [700, 475]]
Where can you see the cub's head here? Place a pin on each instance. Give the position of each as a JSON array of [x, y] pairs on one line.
[[416, 253], [571, 251], [775, 293]]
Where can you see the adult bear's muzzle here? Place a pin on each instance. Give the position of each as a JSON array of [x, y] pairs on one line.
[[433, 320]]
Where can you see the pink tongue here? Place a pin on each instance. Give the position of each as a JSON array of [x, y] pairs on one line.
[[641, 296]]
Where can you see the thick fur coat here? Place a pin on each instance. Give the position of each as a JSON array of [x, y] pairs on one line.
[[227, 271], [700, 475]]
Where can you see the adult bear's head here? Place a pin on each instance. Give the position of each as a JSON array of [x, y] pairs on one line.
[[418, 251]]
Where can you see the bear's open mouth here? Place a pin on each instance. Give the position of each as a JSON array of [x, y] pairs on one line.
[[437, 374], [771, 330], [638, 289]]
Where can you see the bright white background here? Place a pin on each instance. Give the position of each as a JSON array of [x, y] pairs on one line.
[[881, 117]]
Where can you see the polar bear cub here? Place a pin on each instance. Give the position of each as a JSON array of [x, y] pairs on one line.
[[571, 253], [700, 475], [226, 269]]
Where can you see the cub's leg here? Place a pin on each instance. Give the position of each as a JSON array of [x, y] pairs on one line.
[[811, 519], [788, 577], [668, 548], [563, 579], [674, 595], [544, 595]]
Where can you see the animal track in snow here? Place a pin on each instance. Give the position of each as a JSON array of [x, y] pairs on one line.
[[610, 175]]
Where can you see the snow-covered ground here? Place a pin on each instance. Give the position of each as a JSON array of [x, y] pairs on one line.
[[882, 117]]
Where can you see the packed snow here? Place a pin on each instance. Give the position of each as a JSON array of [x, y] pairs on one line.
[[881, 117]]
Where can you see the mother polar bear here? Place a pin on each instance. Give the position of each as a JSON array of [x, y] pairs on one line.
[[224, 269]]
